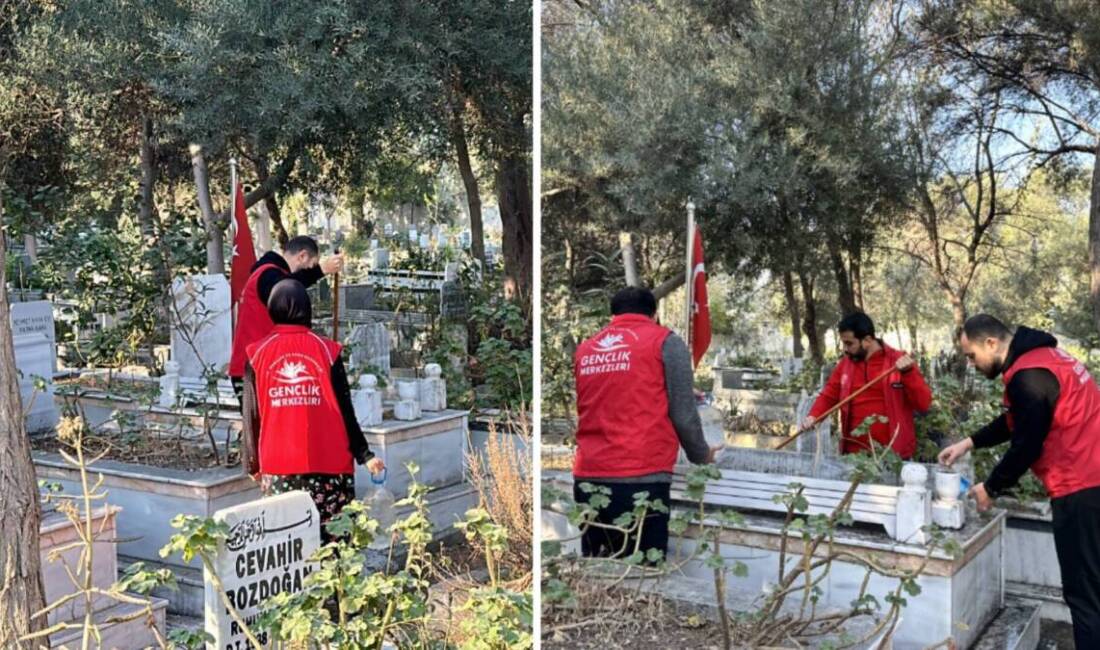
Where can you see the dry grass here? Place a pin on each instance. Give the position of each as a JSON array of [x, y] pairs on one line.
[[503, 480]]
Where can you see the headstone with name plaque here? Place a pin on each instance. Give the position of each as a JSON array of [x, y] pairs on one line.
[[266, 553], [35, 346]]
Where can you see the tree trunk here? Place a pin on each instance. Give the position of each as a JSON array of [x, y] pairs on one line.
[[514, 197], [845, 299], [855, 265], [357, 196], [670, 285], [809, 321], [21, 590], [1094, 240], [793, 310], [630, 265], [263, 230], [271, 204], [215, 256], [469, 181], [148, 177]]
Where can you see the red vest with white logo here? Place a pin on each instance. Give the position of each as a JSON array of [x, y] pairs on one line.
[[623, 425], [253, 321], [301, 427], [899, 413], [1070, 461]]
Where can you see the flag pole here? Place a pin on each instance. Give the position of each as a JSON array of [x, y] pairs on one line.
[[688, 288], [233, 220]]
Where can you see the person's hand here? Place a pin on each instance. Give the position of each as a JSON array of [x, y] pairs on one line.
[[376, 466], [333, 264], [905, 363], [712, 454], [257, 477], [952, 453], [807, 423], [985, 502]]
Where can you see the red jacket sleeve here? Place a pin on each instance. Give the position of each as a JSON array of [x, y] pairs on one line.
[[830, 394], [917, 392]]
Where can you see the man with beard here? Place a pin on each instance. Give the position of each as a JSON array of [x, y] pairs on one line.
[[896, 398], [1052, 424]]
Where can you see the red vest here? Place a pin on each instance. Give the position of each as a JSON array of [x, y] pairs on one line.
[[898, 411], [253, 321], [623, 426], [301, 428], [1070, 461]]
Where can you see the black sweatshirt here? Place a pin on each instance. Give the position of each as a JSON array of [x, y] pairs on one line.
[[269, 278], [1034, 394], [250, 435]]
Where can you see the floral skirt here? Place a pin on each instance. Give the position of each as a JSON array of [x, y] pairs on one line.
[[330, 492]]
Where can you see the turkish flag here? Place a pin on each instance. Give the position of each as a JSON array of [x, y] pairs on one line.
[[700, 310], [244, 255]]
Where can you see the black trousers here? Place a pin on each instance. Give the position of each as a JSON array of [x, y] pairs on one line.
[[602, 542], [1077, 540]]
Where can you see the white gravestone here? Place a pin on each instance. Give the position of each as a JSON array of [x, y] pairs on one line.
[[35, 346], [413, 236], [408, 401], [914, 505], [370, 346], [379, 259], [266, 553], [433, 389], [170, 384], [425, 241], [367, 400], [202, 334]]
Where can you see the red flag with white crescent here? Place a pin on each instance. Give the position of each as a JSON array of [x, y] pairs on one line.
[[244, 254], [700, 309]]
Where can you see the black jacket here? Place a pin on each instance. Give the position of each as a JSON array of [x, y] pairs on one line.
[[1034, 395]]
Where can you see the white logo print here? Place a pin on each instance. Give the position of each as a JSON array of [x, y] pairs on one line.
[[292, 372], [611, 342]]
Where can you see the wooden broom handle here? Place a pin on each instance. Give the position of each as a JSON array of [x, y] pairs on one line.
[[818, 420]]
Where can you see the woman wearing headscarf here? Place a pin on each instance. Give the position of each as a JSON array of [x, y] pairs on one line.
[[299, 427]]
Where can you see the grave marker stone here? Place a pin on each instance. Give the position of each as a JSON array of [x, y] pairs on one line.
[[34, 342], [370, 346], [202, 331], [433, 389], [267, 553]]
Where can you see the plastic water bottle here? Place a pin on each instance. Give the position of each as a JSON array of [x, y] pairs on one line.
[[380, 501]]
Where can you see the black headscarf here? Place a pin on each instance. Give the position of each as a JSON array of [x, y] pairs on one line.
[[289, 304]]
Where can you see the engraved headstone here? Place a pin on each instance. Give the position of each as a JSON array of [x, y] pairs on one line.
[[357, 296], [266, 553], [202, 332], [452, 305], [379, 259], [34, 341], [370, 347]]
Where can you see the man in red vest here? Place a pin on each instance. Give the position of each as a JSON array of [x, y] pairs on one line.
[[896, 397], [298, 261], [1052, 422], [636, 408]]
